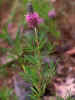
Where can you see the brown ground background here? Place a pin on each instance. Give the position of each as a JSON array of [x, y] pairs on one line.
[[65, 10]]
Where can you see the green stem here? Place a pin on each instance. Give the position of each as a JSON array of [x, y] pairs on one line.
[[38, 51], [36, 40]]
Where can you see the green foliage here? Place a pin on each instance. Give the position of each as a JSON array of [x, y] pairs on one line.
[[35, 71], [5, 36], [17, 45], [67, 98], [30, 49], [70, 98], [0, 3], [6, 94]]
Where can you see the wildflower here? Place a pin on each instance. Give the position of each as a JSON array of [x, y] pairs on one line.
[[52, 14], [9, 26], [53, 1], [32, 18], [46, 60]]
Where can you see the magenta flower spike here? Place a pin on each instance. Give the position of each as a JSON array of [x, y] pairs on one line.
[[33, 19], [52, 14], [9, 26], [53, 1]]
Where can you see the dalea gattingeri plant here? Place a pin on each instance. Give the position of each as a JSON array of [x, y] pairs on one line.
[[38, 68], [31, 49]]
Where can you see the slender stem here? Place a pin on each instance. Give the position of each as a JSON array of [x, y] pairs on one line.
[[38, 51], [36, 40]]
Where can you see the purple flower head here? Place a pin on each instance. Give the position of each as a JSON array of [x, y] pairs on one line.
[[33, 19], [46, 60], [53, 1], [9, 26], [52, 14]]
